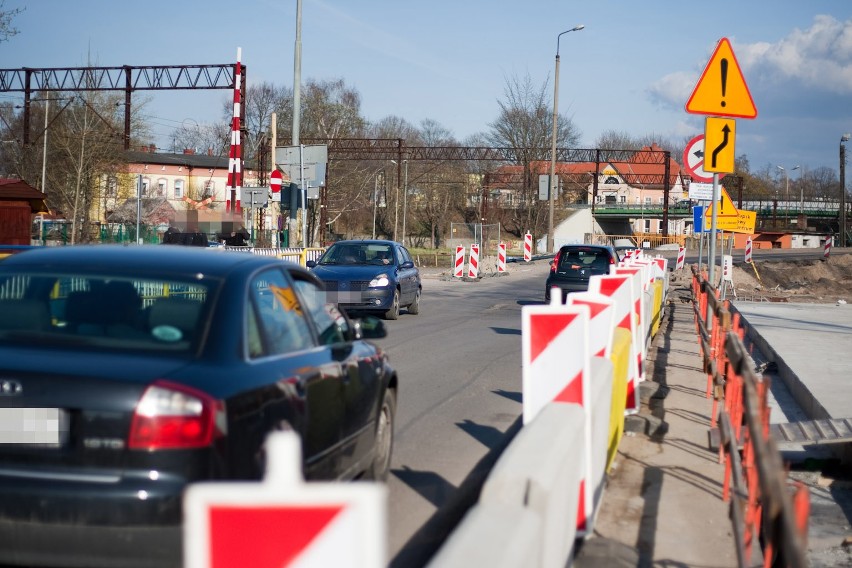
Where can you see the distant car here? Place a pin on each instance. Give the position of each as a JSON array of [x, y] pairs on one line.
[[370, 276], [127, 373], [573, 265]]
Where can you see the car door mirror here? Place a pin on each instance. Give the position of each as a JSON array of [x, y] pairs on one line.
[[407, 264], [310, 264], [370, 327]]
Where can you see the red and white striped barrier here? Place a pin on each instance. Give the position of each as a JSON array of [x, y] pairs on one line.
[[681, 258], [235, 162], [339, 524], [827, 251], [748, 250], [601, 320], [637, 283], [527, 247], [473, 262], [458, 271], [621, 289], [501, 257], [557, 368]]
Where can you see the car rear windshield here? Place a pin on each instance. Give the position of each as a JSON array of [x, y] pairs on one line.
[[584, 258], [356, 253], [103, 311]]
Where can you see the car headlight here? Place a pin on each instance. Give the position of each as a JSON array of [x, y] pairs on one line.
[[380, 281]]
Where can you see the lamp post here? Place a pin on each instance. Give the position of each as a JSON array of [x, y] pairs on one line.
[[787, 191], [844, 138], [396, 200], [404, 200], [552, 196]]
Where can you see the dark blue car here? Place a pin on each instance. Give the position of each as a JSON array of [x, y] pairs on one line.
[[370, 276], [127, 373]]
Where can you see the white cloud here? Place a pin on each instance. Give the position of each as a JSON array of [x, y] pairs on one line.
[[818, 59]]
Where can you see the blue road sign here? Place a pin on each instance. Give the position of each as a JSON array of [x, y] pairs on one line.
[[698, 219]]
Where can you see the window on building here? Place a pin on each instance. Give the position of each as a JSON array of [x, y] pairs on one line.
[[647, 201], [111, 186], [209, 188], [146, 186], [622, 199], [661, 201], [647, 226], [611, 180], [161, 187], [179, 189]]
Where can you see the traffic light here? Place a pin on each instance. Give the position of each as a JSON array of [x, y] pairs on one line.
[[291, 196]]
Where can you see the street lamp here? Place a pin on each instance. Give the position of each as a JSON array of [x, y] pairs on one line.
[[552, 197], [844, 138], [787, 190], [404, 200], [396, 201]]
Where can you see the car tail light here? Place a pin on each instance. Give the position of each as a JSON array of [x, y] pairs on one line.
[[173, 416], [554, 263], [612, 260]]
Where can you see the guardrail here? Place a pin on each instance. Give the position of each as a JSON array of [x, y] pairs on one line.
[[764, 505]]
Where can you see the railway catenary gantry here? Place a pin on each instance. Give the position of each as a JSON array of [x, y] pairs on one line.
[[127, 78], [395, 149]]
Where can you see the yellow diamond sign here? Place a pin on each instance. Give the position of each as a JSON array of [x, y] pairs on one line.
[[722, 90]]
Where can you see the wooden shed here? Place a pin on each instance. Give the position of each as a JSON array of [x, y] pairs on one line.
[[19, 203]]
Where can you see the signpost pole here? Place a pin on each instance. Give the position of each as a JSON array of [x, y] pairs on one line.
[[711, 251]]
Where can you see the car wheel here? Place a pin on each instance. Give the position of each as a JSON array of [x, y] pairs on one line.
[[393, 312], [414, 307], [380, 468]]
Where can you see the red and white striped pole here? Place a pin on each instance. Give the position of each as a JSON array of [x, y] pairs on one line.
[[748, 251], [473, 262], [681, 258], [827, 251], [458, 271], [501, 257], [235, 164], [527, 247]]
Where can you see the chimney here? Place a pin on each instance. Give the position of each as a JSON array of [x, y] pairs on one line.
[[209, 151], [188, 151]]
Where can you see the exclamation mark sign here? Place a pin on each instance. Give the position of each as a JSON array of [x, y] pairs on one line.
[[723, 66]]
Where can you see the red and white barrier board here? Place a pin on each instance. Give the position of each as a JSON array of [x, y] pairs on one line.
[[283, 521], [748, 250], [501, 257], [637, 280], [458, 271], [827, 250], [681, 258], [621, 289], [601, 320], [473, 262], [527, 247], [557, 368]]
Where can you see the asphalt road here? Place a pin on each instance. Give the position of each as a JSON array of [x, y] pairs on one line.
[[459, 363]]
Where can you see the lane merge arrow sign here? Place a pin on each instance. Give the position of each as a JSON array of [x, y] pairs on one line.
[[719, 140]]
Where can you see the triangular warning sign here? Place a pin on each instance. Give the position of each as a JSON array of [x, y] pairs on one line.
[[722, 90], [726, 206]]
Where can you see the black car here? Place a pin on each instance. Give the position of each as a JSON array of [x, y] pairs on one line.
[[127, 373], [370, 276], [573, 265]]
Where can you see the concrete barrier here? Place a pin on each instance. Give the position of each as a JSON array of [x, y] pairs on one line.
[[496, 535], [540, 471]]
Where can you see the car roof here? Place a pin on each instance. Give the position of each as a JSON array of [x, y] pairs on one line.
[[367, 242], [579, 247], [138, 260]]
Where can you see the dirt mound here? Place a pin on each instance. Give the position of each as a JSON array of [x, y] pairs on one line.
[[814, 281]]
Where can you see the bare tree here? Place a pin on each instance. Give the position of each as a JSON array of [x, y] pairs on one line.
[[6, 16], [525, 124]]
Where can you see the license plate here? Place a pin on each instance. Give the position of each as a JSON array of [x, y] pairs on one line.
[[33, 426]]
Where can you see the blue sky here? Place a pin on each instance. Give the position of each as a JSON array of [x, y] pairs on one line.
[[631, 69]]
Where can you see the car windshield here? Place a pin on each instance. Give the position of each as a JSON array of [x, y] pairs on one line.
[[358, 253], [103, 311], [584, 258]]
